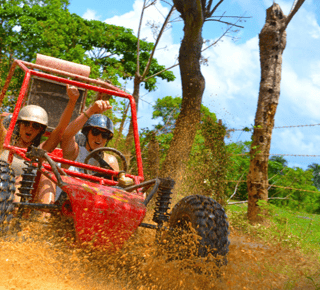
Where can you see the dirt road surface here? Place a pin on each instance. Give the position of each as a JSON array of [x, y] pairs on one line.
[[36, 259]]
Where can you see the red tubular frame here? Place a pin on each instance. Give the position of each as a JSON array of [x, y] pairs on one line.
[[111, 91]]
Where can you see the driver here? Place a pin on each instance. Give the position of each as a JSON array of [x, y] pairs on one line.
[[97, 130]]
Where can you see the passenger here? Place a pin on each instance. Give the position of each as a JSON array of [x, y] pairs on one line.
[[31, 124]]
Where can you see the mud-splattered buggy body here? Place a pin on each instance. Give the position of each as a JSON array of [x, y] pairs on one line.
[[105, 211]]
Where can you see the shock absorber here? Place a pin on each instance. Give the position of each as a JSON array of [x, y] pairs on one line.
[[163, 202], [28, 178]]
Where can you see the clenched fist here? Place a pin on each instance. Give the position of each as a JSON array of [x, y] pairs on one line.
[[99, 107], [73, 93]]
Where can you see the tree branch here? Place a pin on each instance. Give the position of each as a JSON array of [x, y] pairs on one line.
[[157, 41], [138, 44], [292, 13], [229, 23], [201, 51], [170, 4], [221, 16], [216, 40], [151, 3], [154, 75], [236, 188], [220, 36], [107, 56], [214, 8]]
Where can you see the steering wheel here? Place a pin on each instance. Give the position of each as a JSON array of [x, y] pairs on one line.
[[95, 154]]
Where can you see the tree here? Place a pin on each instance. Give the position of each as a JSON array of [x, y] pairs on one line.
[[279, 159], [272, 42], [297, 190], [237, 170], [194, 13], [168, 109], [147, 74], [49, 28], [315, 167]]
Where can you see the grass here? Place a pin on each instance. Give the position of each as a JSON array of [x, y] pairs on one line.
[[296, 231]]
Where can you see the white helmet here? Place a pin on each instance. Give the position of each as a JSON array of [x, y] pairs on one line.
[[33, 113]]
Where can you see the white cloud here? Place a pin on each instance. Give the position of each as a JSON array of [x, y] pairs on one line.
[[154, 14], [232, 79], [315, 73], [233, 76], [300, 93], [91, 15], [293, 141], [315, 29]]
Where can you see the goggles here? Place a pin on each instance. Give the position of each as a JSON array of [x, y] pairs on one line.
[[104, 134], [34, 125]]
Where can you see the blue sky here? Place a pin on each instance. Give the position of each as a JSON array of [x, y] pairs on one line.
[[233, 71]]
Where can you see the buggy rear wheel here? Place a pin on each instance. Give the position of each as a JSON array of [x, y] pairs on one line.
[[207, 219], [7, 191]]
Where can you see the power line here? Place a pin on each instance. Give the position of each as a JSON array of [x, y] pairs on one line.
[[246, 129], [271, 154], [146, 101]]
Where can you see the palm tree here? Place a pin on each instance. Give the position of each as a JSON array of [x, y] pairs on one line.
[[315, 167]]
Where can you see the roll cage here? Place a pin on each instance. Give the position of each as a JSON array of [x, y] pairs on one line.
[[50, 69]]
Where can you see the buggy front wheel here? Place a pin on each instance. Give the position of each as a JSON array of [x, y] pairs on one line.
[[7, 191], [207, 219]]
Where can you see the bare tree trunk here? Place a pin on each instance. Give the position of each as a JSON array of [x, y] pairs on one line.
[[123, 120], [272, 42], [138, 79], [129, 138], [193, 85], [153, 160]]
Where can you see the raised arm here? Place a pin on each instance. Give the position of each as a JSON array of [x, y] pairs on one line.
[[68, 143], [3, 133], [55, 137]]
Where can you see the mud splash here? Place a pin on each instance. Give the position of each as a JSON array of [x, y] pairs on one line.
[[37, 258]]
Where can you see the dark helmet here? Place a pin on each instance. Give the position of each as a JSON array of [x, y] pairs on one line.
[[98, 121]]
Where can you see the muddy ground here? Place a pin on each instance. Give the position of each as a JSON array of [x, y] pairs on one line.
[[38, 258]]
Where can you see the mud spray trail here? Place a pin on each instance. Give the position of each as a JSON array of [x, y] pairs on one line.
[[38, 258]]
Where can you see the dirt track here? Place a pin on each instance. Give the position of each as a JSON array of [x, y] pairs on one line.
[[39, 261]]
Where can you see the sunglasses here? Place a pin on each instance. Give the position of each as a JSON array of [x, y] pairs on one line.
[[34, 125], [104, 134]]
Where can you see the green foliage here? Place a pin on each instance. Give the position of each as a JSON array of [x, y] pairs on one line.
[[294, 178], [168, 109], [209, 159], [47, 27], [238, 169], [280, 175], [316, 174]]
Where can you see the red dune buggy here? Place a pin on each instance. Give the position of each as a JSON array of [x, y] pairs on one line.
[[105, 211]]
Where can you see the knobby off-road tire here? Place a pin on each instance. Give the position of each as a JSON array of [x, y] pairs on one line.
[[209, 221], [7, 191]]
